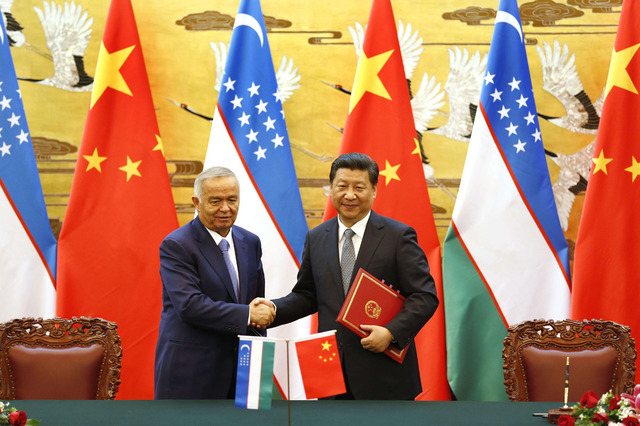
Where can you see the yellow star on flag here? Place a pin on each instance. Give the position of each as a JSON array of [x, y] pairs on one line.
[[326, 345], [417, 148], [390, 172], [131, 168], [367, 79], [108, 72], [159, 146], [634, 169], [601, 163], [618, 75], [94, 161]]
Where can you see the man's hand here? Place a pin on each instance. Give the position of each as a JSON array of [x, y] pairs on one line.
[[379, 339], [261, 312]]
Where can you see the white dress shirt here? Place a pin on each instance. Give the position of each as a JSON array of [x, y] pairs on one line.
[[358, 230], [232, 251]]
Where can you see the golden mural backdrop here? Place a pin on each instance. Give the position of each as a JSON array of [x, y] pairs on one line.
[[444, 44]]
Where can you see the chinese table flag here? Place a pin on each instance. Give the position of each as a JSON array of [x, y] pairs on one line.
[[320, 366], [606, 274], [380, 124], [120, 207]]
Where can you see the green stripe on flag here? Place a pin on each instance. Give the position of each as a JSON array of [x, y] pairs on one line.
[[474, 329], [266, 375]]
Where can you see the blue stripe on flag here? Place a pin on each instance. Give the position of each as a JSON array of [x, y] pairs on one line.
[[18, 170], [244, 371], [507, 98], [252, 108]]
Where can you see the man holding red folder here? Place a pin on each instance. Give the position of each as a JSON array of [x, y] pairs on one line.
[[386, 249]]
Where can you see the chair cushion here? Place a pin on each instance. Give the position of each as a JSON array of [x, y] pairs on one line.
[[589, 369], [56, 373]]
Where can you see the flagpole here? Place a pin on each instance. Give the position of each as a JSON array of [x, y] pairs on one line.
[[288, 385]]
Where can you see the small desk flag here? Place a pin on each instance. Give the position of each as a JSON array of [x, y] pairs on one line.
[[254, 383]]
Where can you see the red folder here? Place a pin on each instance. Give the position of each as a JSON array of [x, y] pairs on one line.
[[370, 301]]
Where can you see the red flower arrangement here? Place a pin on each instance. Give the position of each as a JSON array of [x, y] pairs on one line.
[[610, 409], [11, 416]]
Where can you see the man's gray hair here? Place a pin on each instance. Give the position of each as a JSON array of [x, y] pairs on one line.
[[211, 172]]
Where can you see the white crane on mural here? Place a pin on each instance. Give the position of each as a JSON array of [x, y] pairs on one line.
[[572, 178], [68, 31], [14, 30], [560, 78], [463, 87]]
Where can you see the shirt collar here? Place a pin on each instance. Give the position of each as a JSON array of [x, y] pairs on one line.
[[358, 228], [217, 237]]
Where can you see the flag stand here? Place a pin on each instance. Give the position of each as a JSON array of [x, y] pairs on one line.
[[288, 385]]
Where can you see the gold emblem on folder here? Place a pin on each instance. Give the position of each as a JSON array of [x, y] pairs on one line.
[[372, 309]]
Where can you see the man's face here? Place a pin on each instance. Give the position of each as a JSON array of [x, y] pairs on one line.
[[352, 195], [218, 208]]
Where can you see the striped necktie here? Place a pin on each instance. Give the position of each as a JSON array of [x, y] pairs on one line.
[[224, 247]]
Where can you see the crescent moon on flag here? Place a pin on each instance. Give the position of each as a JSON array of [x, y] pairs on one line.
[[245, 345], [251, 22], [509, 19]]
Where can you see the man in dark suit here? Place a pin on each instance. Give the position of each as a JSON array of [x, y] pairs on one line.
[[210, 272], [388, 250]]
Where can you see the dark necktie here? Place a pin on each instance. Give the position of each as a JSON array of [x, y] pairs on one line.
[[224, 247], [348, 259]]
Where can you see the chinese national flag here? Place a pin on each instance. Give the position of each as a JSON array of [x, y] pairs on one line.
[[320, 366], [120, 207], [380, 124], [606, 275]]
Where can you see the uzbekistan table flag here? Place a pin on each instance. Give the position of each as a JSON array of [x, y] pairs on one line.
[[505, 256], [249, 136], [254, 383], [316, 362], [27, 245]]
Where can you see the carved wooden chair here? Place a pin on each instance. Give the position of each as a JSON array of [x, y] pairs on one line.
[[58, 358], [602, 357]]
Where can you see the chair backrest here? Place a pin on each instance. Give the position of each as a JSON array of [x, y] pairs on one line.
[[58, 358], [602, 357]]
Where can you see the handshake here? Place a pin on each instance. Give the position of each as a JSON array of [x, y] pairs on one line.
[[262, 312]]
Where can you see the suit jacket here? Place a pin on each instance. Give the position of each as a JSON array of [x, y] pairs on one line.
[[390, 252], [196, 354]]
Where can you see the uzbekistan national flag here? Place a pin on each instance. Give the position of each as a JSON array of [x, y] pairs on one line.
[[505, 256], [27, 245], [315, 359], [255, 373], [249, 136]]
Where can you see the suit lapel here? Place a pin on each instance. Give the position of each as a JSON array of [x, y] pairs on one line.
[[331, 249], [213, 255]]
